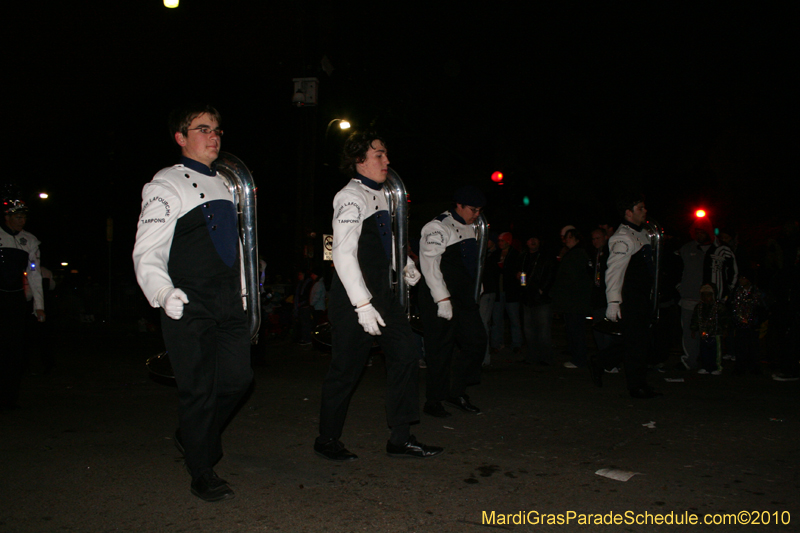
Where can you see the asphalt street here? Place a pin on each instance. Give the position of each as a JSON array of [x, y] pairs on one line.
[[91, 450]]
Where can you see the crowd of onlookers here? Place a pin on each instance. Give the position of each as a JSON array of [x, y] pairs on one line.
[[719, 303]]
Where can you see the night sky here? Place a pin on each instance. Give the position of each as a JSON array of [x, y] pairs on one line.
[[694, 106]]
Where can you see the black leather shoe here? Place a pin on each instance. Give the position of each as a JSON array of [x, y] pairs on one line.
[[412, 448], [435, 409], [334, 450], [644, 393], [462, 402], [211, 488], [596, 372]]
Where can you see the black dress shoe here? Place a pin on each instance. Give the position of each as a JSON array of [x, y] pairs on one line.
[[435, 409], [412, 448], [462, 402], [211, 488], [596, 371], [333, 450], [644, 393]]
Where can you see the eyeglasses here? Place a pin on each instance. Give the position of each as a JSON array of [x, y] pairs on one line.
[[205, 130]]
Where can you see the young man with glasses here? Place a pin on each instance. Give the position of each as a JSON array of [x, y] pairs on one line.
[[188, 262]]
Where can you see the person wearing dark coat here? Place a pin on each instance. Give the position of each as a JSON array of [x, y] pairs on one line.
[[571, 294], [537, 312]]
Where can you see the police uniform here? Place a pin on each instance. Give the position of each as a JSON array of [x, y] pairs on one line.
[[187, 238], [19, 256], [362, 256], [449, 264], [630, 279]]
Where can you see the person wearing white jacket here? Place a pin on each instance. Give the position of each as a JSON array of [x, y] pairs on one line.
[[362, 307], [187, 258], [450, 315]]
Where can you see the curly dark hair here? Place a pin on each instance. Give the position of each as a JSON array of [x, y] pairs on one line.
[[627, 200], [180, 118], [356, 148]]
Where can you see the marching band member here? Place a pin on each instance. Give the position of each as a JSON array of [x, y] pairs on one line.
[[362, 307], [450, 315], [187, 258]]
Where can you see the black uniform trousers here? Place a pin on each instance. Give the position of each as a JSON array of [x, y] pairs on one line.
[[351, 344], [14, 311], [209, 349], [637, 335], [350, 351], [450, 371]]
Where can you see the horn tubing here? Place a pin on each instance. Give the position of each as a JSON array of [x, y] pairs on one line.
[[397, 198], [243, 189], [482, 235], [656, 234]]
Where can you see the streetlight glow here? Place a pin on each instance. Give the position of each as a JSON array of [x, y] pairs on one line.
[[344, 125], [43, 195], [171, 3]]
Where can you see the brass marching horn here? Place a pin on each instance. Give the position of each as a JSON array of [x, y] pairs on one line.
[[397, 200], [482, 236], [243, 189]]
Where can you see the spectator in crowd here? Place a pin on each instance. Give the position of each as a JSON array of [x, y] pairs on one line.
[[571, 294], [705, 261], [748, 311], [537, 312], [709, 324], [506, 260]]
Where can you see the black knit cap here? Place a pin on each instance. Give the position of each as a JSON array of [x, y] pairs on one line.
[[469, 195]]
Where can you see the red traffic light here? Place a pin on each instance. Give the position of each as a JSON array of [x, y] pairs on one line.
[[700, 213], [497, 177]]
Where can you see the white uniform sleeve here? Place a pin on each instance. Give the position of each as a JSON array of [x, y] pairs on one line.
[[349, 212], [432, 246], [34, 273], [161, 206], [620, 247]]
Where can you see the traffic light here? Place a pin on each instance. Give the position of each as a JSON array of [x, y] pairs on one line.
[[700, 213], [497, 177]]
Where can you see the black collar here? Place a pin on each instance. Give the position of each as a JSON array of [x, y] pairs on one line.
[[374, 185], [197, 166], [632, 225], [458, 218]]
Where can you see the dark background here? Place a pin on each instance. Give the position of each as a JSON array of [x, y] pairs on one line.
[[695, 106]]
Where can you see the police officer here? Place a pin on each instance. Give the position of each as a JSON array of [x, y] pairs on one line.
[[362, 307], [187, 261], [19, 257], [450, 315]]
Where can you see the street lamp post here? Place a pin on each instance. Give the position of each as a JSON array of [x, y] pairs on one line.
[[343, 125]]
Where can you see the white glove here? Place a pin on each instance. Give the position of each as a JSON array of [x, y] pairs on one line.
[[445, 309], [612, 312], [369, 318], [411, 274], [172, 301]]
